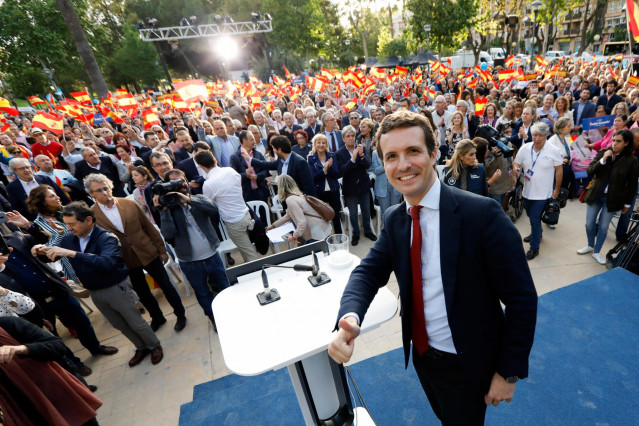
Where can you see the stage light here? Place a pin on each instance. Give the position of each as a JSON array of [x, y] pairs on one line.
[[226, 47]]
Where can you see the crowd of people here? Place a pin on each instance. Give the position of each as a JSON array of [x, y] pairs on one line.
[[89, 211]]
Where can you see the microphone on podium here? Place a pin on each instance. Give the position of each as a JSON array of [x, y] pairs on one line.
[[270, 295]]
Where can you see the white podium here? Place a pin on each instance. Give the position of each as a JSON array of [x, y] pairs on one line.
[[293, 332]]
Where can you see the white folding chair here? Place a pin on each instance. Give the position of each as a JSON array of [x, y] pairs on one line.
[[226, 244], [277, 209]]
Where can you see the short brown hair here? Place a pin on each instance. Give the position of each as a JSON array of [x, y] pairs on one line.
[[402, 120], [36, 202]]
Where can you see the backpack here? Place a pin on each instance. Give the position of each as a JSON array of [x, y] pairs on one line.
[[322, 208]]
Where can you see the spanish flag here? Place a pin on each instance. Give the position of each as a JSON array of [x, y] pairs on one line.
[[633, 80], [4, 102], [633, 19], [480, 104], [326, 73], [509, 61], [401, 70], [82, 97], [50, 122], [34, 100], [286, 73], [377, 73], [150, 117], [192, 90], [315, 84], [277, 80]]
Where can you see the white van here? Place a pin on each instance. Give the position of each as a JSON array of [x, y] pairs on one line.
[[497, 53]]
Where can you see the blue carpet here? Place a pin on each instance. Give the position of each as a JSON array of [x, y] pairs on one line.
[[584, 370]]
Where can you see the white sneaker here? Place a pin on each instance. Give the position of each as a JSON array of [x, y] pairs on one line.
[[585, 250], [551, 226], [599, 258]]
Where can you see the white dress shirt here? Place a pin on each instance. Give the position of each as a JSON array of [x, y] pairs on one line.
[[224, 187], [113, 214], [29, 186], [439, 334]]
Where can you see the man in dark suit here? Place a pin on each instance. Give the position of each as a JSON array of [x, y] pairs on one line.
[[254, 185], [312, 127], [521, 129], [583, 109], [289, 129], [288, 163], [20, 188], [194, 174], [611, 98], [103, 164], [185, 151], [153, 142], [449, 257], [333, 134]]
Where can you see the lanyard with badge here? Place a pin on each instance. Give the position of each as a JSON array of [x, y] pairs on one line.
[[529, 173]]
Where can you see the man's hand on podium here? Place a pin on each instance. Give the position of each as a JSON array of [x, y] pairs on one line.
[[341, 348]]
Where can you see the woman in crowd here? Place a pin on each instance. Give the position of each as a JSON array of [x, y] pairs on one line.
[[518, 109], [490, 115], [309, 225], [34, 388], [385, 194], [365, 137], [303, 148], [325, 170], [142, 178], [276, 120], [614, 173], [300, 118], [126, 164], [562, 106], [456, 133], [463, 171], [606, 141], [498, 180], [594, 135], [561, 138], [508, 114]]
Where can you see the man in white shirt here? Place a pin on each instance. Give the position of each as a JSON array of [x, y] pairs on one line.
[[541, 164], [224, 187], [442, 118], [467, 352]]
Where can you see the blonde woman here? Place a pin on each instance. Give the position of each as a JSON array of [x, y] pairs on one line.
[[458, 131], [309, 225], [463, 171]]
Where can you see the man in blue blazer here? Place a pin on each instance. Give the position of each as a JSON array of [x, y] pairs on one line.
[[583, 109], [521, 128], [333, 134], [288, 163], [223, 145], [194, 175], [26, 179], [456, 257]]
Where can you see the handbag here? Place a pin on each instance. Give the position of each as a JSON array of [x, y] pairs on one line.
[[551, 211], [325, 211]]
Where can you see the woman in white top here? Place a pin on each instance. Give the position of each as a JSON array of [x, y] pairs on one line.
[[309, 225], [561, 138]]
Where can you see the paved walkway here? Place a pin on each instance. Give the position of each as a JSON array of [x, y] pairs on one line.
[[152, 395]]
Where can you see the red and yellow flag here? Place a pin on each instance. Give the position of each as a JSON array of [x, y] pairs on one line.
[[150, 117], [633, 80], [192, 90], [82, 97], [510, 61], [34, 100], [50, 122], [286, 73], [315, 84], [401, 70], [480, 104], [633, 19], [377, 72]]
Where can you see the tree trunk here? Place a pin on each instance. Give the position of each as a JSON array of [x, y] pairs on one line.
[[84, 48], [596, 17]]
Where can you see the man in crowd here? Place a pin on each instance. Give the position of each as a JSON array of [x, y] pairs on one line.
[[223, 145], [547, 113], [541, 164], [254, 185], [288, 163], [611, 98], [521, 129], [312, 127], [104, 164], [97, 260], [193, 172], [142, 247], [289, 128], [260, 122], [442, 118], [583, 109], [333, 134], [185, 151], [187, 224], [223, 187], [46, 147], [260, 144], [463, 363]]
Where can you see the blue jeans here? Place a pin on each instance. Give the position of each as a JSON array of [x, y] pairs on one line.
[[498, 197], [596, 231], [200, 273], [363, 199], [534, 209], [624, 221]]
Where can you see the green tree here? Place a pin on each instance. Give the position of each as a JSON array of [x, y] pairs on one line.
[[298, 25], [294, 63], [367, 26], [134, 61], [449, 20], [393, 46], [593, 21]]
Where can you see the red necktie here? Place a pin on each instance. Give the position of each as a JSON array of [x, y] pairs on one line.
[[418, 322]]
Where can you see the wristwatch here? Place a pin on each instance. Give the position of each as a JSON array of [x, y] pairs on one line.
[[512, 379]]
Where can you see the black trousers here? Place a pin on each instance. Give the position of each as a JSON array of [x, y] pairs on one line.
[[332, 198], [452, 397], [157, 271]]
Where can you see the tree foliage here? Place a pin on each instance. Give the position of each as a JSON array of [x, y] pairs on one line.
[[134, 61], [401, 45], [298, 25], [449, 20]]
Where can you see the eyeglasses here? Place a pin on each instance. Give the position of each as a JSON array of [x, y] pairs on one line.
[[105, 189]]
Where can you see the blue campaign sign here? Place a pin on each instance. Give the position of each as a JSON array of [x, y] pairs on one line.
[[597, 122]]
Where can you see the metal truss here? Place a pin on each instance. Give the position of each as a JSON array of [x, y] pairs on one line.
[[208, 30]]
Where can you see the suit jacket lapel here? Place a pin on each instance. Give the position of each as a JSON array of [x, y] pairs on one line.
[[449, 239], [403, 228]]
